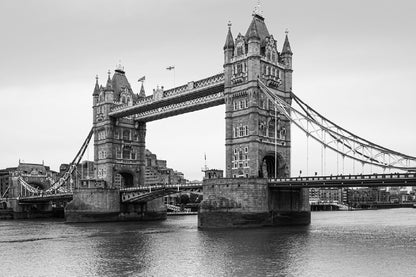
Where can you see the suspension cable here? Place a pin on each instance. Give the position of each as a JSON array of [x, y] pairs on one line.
[[359, 152]]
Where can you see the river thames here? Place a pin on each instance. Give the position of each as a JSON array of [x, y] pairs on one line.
[[350, 243]]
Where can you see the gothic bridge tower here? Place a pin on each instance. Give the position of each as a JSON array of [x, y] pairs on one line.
[[257, 138], [119, 144]]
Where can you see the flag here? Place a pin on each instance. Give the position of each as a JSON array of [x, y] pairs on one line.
[[141, 79]]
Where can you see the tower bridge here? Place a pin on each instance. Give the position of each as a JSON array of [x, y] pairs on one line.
[[256, 89]]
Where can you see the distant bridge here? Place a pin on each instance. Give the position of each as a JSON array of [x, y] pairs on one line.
[[148, 193]]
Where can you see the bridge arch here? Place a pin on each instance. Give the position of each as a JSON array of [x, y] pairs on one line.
[[127, 178], [268, 166]]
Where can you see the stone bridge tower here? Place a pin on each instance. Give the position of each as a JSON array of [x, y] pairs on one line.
[[119, 144], [257, 138]]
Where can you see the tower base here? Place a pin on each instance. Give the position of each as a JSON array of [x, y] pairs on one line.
[[238, 203]]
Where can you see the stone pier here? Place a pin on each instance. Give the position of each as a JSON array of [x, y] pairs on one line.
[[104, 204], [248, 202]]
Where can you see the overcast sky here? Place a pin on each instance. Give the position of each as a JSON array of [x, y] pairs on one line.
[[354, 61]]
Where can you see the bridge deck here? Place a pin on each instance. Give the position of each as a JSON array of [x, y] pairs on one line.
[[373, 180], [45, 198]]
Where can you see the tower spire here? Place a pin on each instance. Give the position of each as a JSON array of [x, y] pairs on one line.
[[97, 87], [142, 92], [109, 85], [229, 41], [286, 45]]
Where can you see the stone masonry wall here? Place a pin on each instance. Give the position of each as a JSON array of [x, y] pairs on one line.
[[236, 195]]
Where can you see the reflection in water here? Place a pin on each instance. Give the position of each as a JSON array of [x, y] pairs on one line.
[[359, 243]]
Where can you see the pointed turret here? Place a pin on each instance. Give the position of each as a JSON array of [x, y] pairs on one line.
[[142, 92], [286, 46], [109, 86], [229, 41], [96, 88]]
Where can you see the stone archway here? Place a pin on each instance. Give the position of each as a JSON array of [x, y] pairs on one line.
[[127, 180], [269, 166]]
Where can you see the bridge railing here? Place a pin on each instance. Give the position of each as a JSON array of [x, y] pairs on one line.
[[162, 186]]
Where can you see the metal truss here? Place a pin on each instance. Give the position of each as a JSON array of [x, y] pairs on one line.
[[27, 188], [58, 186], [181, 107], [338, 139]]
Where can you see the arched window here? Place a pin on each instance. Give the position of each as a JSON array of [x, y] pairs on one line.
[[126, 153], [240, 50], [126, 135], [118, 152], [239, 68], [271, 128]]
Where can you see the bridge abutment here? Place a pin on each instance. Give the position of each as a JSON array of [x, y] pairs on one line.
[[104, 204], [248, 202]]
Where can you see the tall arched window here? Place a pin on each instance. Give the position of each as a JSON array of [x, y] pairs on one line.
[[126, 153], [126, 135], [271, 128], [240, 50]]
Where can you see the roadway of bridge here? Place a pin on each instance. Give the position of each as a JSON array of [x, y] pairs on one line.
[[44, 198], [369, 180]]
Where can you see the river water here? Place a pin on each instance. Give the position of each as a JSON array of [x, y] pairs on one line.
[[350, 243]]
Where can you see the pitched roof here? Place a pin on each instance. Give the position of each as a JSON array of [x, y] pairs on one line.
[[119, 83], [257, 28]]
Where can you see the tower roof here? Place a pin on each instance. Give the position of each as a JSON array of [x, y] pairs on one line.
[[257, 28], [229, 41], [120, 83], [96, 88], [286, 46]]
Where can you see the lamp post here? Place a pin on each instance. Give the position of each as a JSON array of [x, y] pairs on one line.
[[275, 138]]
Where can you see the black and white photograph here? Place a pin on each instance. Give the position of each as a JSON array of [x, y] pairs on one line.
[[208, 138]]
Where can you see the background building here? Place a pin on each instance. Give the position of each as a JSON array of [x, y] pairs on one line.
[[37, 175]]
